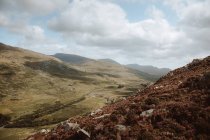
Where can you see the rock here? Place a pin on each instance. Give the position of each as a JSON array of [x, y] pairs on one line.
[[71, 126], [144, 85], [84, 132], [120, 86], [45, 131], [147, 113], [158, 87], [110, 100], [95, 112], [31, 138], [171, 74], [99, 126], [105, 115], [121, 128]]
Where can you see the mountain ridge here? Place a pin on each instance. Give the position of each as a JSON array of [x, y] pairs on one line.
[[87, 62], [108, 60], [106, 65], [149, 69], [72, 58]]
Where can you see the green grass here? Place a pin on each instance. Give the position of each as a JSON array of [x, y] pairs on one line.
[[15, 133], [38, 90]]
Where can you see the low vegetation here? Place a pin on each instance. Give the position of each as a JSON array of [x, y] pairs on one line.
[[38, 90], [175, 107]]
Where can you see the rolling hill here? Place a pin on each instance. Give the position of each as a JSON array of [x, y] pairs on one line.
[[109, 61], [150, 69], [107, 67], [71, 58], [37, 90]]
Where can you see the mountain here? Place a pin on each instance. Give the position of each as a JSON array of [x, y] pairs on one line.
[[71, 58], [151, 72], [177, 106], [150, 69], [30, 82], [37, 90], [106, 66], [109, 61]]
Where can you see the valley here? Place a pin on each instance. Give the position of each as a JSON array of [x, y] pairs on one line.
[[175, 107], [38, 91]]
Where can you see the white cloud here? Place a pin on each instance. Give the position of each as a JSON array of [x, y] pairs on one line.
[[31, 7], [16, 17], [89, 17], [100, 28], [155, 13], [196, 15], [89, 24], [3, 20], [195, 22]]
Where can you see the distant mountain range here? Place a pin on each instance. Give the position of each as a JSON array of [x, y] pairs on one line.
[[76, 59], [150, 69], [103, 66]]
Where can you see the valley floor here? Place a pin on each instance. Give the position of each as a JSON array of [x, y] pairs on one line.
[[47, 115]]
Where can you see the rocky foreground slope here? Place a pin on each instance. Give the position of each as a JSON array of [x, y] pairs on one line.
[[176, 107]]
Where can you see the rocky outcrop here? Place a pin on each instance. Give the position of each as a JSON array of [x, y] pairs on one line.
[[177, 106]]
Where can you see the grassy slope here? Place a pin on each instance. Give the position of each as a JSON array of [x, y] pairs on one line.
[[31, 82]]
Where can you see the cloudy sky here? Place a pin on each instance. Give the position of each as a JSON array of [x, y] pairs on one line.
[[163, 33]]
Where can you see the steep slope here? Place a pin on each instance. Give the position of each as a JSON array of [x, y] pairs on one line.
[[150, 69], [176, 107]]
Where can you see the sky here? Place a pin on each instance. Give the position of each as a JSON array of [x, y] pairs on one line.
[[162, 33]]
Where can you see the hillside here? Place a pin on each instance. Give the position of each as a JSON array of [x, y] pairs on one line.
[[30, 82], [38, 91], [71, 58], [177, 106], [109, 61], [108, 67], [150, 69]]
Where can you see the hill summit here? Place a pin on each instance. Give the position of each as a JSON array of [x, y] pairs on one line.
[[177, 106]]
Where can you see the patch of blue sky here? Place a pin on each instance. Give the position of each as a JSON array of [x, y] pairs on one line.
[[8, 38], [137, 11], [43, 21]]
